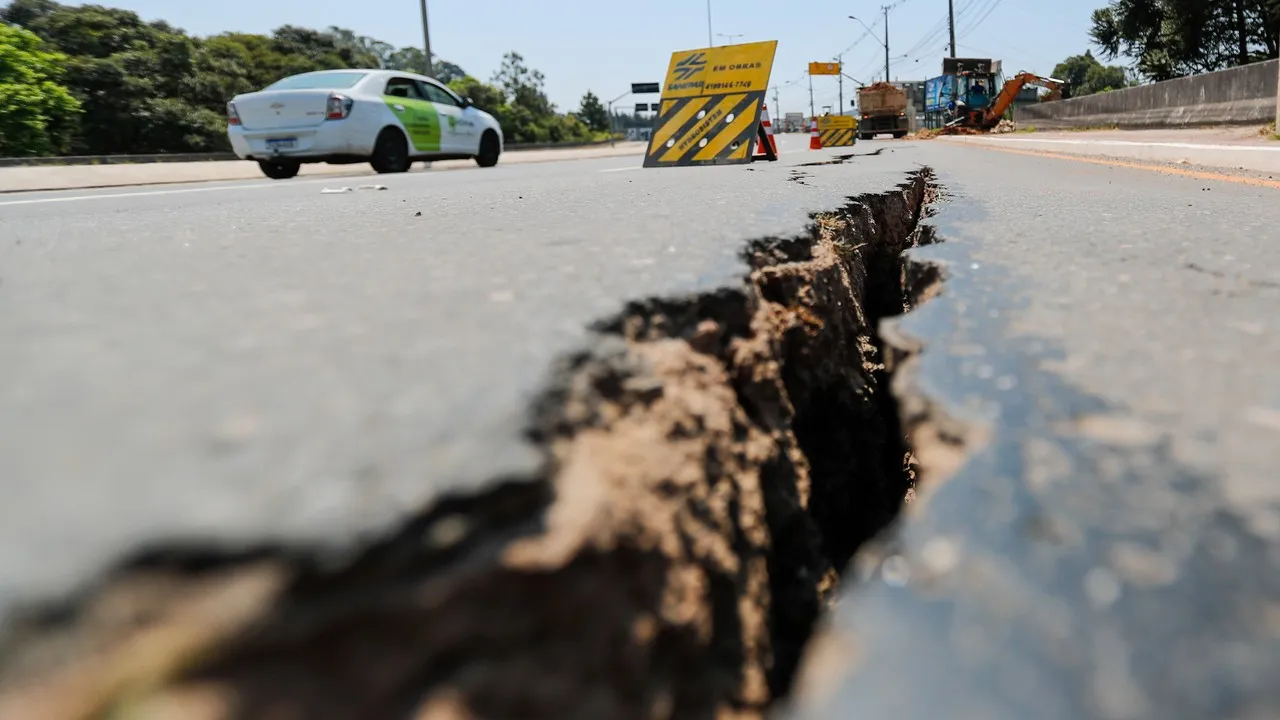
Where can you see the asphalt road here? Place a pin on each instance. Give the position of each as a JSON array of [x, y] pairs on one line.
[[254, 362], [250, 363]]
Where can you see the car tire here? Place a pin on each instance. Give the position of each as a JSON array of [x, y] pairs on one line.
[[280, 169], [490, 149], [391, 152]]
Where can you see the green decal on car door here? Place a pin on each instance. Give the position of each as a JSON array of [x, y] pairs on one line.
[[420, 121]]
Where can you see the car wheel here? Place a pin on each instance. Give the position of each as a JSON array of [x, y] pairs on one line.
[[280, 169], [489, 149], [391, 152]]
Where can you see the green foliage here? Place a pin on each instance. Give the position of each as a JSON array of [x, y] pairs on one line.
[[37, 115], [516, 98], [1084, 75], [593, 113], [148, 87], [1171, 38]]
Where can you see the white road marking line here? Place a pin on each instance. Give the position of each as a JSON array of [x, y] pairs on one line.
[[1138, 143], [155, 193], [628, 168]]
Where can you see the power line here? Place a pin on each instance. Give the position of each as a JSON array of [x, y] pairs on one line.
[[991, 7]]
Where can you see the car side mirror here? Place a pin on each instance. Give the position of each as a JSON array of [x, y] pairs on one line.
[[466, 102]]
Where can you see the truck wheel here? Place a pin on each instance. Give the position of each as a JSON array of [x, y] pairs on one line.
[[899, 135]]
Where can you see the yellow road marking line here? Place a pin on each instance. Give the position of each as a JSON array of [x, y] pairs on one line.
[[1197, 174]]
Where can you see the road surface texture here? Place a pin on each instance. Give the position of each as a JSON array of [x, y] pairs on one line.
[[292, 426]]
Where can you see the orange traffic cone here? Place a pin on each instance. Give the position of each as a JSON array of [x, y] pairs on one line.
[[815, 137], [768, 130]]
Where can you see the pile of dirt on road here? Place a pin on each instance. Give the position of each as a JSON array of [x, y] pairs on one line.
[[1006, 126], [712, 464]]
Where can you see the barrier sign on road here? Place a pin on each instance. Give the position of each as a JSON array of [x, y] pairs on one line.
[[821, 68], [837, 130], [710, 110], [645, 88]]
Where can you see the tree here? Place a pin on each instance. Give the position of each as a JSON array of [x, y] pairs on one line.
[[1084, 75], [149, 87], [527, 115], [484, 96], [37, 115], [1172, 38], [593, 113]]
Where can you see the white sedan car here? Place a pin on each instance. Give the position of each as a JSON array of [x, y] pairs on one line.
[[386, 118]]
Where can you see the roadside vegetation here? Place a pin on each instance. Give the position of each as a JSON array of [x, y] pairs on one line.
[[1165, 39], [93, 80], [1085, 75]]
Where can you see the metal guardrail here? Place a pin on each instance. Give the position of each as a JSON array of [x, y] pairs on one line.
[[216, 156]]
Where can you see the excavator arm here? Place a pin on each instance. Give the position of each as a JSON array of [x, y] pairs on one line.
[[1000, 105]]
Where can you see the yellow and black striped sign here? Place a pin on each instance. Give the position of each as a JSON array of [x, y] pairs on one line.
[[711, 103], [837, 130]]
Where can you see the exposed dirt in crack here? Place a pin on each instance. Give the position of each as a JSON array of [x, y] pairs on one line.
[[713, 464]]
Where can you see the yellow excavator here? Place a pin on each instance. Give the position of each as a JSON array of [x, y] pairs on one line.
[[976, 112]]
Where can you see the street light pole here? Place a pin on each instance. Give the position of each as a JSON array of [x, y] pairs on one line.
[[710, 42], [884, 42], [426, 36], [611, 123]]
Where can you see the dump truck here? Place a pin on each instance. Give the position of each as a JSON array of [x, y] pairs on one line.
[[794, 122], [882, 108]]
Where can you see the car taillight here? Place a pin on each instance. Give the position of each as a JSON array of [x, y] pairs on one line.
[[233, 117], [339, 107]]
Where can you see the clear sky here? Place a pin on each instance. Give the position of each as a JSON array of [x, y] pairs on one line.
[[585, 45]]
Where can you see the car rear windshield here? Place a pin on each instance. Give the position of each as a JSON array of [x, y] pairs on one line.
[[319, 81]]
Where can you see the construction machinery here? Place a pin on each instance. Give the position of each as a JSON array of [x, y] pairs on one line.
[[972, 106], [883, 109]]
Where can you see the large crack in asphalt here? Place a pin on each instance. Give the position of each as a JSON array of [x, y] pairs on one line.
[[714, 463]]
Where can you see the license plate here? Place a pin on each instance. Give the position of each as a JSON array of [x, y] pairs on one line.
[[287, 143]]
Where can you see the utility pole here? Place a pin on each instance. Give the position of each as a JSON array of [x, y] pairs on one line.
[[426, 36], [812, 112], [840, 64], [951, 13], [886, 42], [777, 104]]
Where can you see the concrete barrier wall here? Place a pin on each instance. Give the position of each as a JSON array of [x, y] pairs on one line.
[[1244, 95]]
